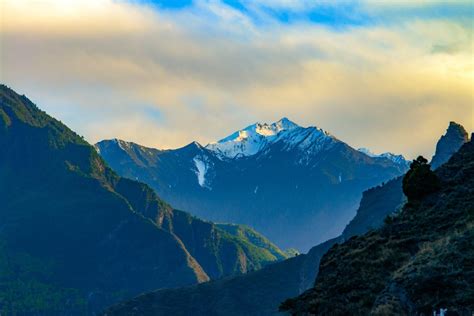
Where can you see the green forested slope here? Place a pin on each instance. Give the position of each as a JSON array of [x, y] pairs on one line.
[[75, 236]]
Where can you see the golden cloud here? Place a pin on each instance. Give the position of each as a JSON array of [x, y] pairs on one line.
[[205, 71]]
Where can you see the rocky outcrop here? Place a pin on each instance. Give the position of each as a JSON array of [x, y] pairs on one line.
[[449, 143]]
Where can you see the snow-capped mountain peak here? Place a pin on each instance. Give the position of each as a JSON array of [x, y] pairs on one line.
[[399, 159], [367, 151], [259, 130], [284, 124], [255, 138]]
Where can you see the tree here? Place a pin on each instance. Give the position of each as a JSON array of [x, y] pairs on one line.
[[420, 181]]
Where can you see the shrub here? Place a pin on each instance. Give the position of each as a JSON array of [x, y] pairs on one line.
[[420, 180]]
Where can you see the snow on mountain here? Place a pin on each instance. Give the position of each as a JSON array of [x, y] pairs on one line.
[[122, 144], [398, 159], [367, 152], [202, 165], [255, 138], [279, 177]]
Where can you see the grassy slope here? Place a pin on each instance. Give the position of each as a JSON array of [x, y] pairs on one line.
[[252, 237]]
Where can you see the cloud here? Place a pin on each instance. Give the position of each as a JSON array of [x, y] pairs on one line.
[[164, 77]]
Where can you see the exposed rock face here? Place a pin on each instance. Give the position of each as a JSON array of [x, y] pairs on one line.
[[449, 143]]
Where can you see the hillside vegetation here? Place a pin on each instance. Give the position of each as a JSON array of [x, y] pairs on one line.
[[74, 236], [420, 260]]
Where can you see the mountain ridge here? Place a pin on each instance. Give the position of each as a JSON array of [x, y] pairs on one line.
[[254, 139], [311, 168], [71, 225], [394, 157]]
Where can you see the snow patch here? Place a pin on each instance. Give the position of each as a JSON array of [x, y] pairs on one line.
[[125, 146], [398, 159], [202, 166]]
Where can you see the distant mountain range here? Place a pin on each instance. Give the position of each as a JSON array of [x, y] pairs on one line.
[[75, 236], [267, 288], [297, 185], [398, 159]]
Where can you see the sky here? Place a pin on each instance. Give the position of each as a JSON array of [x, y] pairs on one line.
[[386, 75]]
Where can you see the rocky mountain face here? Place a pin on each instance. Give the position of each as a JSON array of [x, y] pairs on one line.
[[418, 262], [281, 179], [74, 236], [449, 143]]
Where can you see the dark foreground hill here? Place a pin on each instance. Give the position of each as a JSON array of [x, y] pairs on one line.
[[421, 259], [74, 236]]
